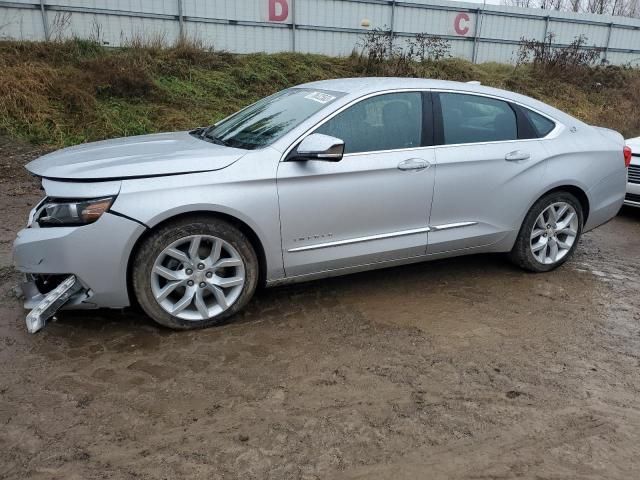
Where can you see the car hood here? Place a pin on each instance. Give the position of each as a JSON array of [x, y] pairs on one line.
[[141, 156]]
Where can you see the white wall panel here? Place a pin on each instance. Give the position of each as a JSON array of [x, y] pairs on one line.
[[245, 26], [247, 10], [167, 7], [118, 30], [462, 49], [625, 38], [21, 24], [241, 39], [500, 53], [624, 58], [338, 13], [327, 43], [434, 22], [568, 32], [511, 28]]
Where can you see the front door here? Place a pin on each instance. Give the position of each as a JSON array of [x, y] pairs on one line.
[[373, 205]]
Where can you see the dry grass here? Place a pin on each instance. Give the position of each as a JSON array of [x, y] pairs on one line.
[[64, 93]]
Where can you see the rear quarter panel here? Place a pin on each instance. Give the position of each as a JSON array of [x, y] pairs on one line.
[[591, 160]]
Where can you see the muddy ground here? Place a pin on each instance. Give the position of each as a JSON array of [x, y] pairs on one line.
[[463, 368]]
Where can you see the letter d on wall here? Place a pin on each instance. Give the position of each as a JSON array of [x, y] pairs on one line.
[[278, 10]]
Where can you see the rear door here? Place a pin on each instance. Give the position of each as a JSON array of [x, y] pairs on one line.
[[488, 170], [373, 205]]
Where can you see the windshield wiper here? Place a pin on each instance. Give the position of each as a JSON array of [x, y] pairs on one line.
[[210, 136]]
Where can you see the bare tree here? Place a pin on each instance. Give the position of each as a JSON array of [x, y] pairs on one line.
[[520, 3], [575, 5], [598, 6], [624, 8]]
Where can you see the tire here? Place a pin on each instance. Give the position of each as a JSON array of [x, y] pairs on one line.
[[531, 237], [179, 260]]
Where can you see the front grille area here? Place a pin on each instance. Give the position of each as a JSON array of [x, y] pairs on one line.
[[632, 197], [45, 283], [634, 173]]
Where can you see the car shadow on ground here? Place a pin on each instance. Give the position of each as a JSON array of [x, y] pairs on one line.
[[285, 300], [632, 213]]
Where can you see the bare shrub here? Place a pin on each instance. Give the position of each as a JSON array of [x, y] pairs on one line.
[[425, 47], [154, 42], [376, 47], [194, 51], [543, 54], [575, 63], [97, 33], [59, 26], [380, 55]]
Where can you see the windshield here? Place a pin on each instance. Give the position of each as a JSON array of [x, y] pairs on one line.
[[267, 120]]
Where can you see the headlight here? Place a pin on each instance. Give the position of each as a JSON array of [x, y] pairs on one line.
[[67, 213]]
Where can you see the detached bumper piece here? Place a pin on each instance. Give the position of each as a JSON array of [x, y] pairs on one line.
[[50, 304]]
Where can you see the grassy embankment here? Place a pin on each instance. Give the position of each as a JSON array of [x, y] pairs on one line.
[[60, 94]]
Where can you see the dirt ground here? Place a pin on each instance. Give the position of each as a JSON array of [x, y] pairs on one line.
[[463, 368]]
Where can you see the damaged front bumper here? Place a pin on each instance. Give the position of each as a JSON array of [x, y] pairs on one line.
[[95, 255], [51, 302]]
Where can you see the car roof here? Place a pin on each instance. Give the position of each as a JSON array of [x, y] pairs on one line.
[[374, 84], [366, 85]]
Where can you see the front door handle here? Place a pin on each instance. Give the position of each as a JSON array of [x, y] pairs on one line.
[[413, 164], [517, 155]]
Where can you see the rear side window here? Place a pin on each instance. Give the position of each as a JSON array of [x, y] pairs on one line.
[[385, 122], [472, 119], [541, 125]]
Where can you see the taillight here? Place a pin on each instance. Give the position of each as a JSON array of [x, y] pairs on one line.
[[627, 156]]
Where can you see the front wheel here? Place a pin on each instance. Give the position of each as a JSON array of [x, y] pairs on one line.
[[549, 234], [194, 273]]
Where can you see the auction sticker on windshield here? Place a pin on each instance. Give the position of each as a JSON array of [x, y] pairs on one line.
[[320, 97]]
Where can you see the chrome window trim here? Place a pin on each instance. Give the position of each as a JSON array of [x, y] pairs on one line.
[[559, 126], [368, 238], [439, 146]]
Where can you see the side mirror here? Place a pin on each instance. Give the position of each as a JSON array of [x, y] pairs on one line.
[[318, 147]]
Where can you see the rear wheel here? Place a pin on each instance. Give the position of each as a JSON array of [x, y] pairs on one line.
[[549, 234], [194, 273]]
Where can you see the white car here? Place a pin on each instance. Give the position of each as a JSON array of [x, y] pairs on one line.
[[633, 181]]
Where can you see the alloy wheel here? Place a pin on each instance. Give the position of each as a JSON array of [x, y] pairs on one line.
[[197, 277], [554, 233]]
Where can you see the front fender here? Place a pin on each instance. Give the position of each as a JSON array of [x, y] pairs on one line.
[[253, 201]]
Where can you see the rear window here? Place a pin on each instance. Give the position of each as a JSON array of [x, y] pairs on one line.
[[542, 125], [471, 119]]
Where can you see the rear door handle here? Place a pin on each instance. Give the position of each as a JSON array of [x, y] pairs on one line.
[[517, 155], [413, 164]]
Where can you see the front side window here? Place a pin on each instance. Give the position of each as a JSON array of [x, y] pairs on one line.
[[472, 119], [385, 122], [267, 120]]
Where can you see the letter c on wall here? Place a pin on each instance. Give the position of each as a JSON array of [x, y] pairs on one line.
[[278, 10], [461, 23]]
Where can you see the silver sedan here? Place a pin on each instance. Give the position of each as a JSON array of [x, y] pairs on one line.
[[323, 179]]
